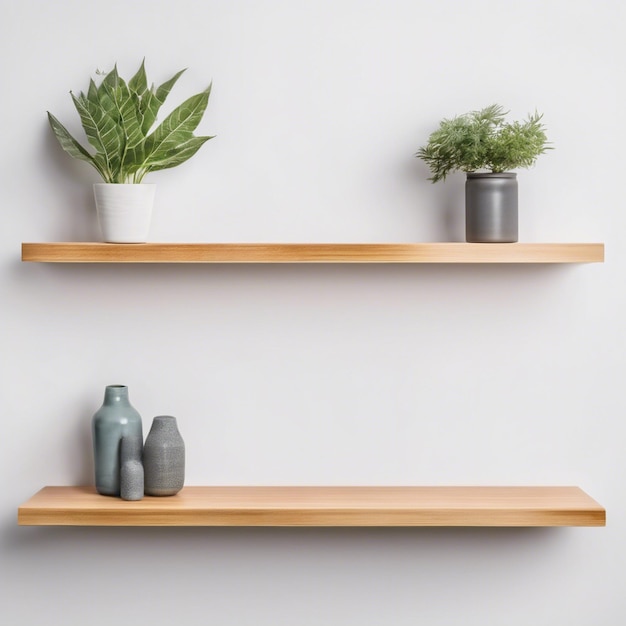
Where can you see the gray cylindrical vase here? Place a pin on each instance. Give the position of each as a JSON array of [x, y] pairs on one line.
[[491, 208], [115, 419], [131, 469], [164, 458]]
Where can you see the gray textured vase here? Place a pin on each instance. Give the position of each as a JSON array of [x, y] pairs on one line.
[[164, 458], [131, 468], [115, 419], [491, 208]]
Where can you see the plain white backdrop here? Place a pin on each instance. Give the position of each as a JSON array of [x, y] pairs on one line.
[[331, 374]]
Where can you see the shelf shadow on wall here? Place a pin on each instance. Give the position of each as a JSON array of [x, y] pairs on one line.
[[348, 542]]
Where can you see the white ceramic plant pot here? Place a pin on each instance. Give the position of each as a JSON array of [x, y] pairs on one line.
[[124, 211]]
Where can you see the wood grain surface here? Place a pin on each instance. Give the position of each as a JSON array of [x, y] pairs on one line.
[[313, 253], [319, 506]]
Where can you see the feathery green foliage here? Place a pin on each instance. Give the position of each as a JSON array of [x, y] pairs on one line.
[[483, 140], [117, 118]]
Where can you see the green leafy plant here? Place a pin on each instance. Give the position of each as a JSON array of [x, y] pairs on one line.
[[118, 117], [483, 140]]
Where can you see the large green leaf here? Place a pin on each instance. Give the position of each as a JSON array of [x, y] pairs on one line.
[[177, 128], [92, 93], [163, 91], [110, 116], [102, 132], [176, 156], [143, 99], [117, 99], [71, 146], [139, 82]]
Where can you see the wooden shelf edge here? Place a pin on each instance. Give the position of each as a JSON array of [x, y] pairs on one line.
[[320, 506], [443, 252]]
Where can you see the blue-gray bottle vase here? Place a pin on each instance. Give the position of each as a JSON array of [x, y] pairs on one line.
[[115, 419], [164, 458], [131, 469]]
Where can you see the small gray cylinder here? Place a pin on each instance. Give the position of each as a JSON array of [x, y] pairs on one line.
[[491, 211], [131, 469]]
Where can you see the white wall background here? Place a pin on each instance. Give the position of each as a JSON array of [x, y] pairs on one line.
[[331, 374]]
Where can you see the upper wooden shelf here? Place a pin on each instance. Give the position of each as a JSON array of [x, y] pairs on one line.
[[319, 506], [313, 252]]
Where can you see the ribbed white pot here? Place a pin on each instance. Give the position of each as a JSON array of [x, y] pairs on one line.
[[124, 211]]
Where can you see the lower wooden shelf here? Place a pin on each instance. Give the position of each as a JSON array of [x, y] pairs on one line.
[[319, 506], [86, 252]]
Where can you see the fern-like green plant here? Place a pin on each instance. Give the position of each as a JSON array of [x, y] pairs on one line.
[[118, 117], [482, 140]]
